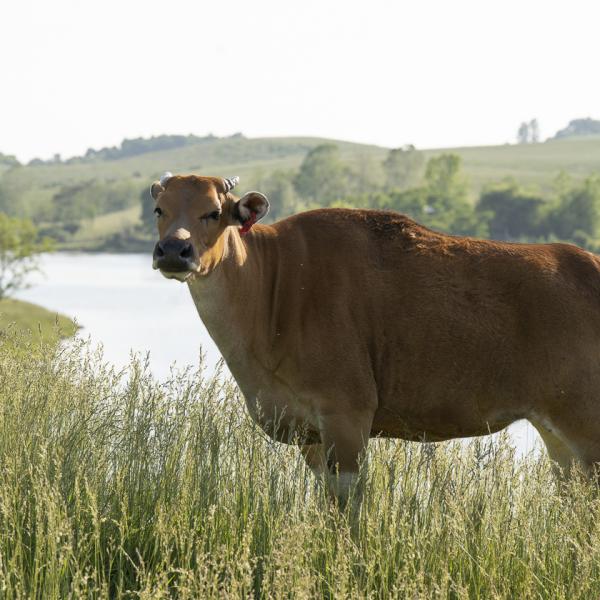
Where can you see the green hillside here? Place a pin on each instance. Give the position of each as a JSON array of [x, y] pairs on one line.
[[529, 164], [29, 319], [241, 156], [87, 201], [29, 190]]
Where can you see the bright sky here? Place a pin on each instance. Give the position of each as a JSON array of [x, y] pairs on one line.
[[79, 74]]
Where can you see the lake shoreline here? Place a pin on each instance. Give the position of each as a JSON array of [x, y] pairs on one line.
[[30, 318], [109, 246]]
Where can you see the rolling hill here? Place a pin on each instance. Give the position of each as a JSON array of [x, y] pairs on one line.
[[533, 165]]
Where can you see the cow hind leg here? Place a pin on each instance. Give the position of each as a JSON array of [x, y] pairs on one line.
[[562, 456], [574, 442], [314, 457]]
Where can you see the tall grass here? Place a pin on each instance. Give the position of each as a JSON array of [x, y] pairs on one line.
[[115, 485]]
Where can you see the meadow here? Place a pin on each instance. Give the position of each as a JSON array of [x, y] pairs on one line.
[[116, 485]]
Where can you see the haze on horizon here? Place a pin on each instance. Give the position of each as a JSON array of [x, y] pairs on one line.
[[435, 74]]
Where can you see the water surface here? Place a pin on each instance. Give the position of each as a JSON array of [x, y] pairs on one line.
[[123, 304]]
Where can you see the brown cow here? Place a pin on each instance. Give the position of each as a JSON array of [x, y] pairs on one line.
[[349, 324]]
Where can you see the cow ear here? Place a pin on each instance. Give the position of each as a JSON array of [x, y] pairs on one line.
[[156, 189], [251, 207]]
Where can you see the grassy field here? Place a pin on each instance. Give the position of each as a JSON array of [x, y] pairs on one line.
[[27, 318], [119, 486], [94, 233], [531, 164], [108, 224]]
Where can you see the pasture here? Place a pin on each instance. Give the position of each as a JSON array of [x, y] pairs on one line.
[[114, 484], [533, 165]]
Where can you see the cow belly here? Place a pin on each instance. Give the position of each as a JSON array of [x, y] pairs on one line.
[[417, 432], [440, 420]]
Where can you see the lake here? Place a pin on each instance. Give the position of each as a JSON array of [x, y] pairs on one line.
[[127, 307], [121, 302]]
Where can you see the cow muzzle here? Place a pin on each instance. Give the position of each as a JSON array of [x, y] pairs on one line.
[[175, 258]]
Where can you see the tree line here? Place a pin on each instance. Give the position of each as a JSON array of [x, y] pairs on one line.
[[435, 192], [529, 131], [129, 148]]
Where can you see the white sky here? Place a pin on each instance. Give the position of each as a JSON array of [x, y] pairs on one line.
[[79, 74]]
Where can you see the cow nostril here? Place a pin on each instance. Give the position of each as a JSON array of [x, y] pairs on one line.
[[186, 252], [159, 250]]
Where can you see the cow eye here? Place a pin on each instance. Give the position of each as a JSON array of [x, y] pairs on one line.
[[157, 211], [213, 215]]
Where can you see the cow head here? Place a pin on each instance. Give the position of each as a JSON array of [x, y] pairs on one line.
[[196, 216]]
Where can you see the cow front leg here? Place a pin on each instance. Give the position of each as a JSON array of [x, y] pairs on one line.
[[315, 458], [344, 443]]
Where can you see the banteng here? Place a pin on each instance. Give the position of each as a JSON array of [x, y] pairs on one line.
[[348, 324]]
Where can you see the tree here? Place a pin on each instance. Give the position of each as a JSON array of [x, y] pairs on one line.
[[578, 127], [409, 202], [529, 133], [5, 198], [510, 212], [445, 183], [577, 214], [9, 160], [322, 177], [523, 133], [20, 247], [534, 131], [279, 189], [447, 207], [403, 167], [148, 217], [562, 183], [85, 200], [113, 196], [72, 203], [367, 175]]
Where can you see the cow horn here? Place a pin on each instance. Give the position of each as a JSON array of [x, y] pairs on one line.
[[165, 178], [230, 183]]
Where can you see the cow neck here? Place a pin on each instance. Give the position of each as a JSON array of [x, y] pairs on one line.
[[230, 299]]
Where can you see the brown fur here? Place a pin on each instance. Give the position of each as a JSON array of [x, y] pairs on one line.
[[359, 323]]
